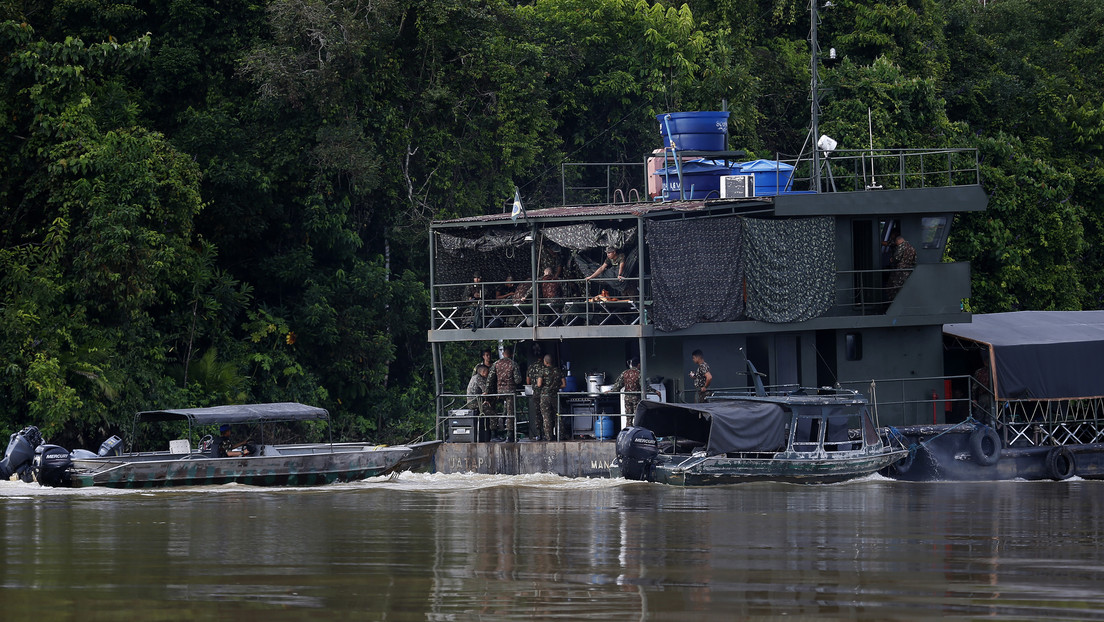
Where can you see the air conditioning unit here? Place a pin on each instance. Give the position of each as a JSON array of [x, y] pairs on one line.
[[737, 186]]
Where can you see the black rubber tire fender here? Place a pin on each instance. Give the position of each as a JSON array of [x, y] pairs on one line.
[[903, 465], [978, 440], [1060, 464]]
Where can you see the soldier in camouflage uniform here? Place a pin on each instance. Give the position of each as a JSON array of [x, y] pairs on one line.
[[902, 263], [505, 378], [477, 386], [629, 381], [702, 376], [550, 381], [532, 377]]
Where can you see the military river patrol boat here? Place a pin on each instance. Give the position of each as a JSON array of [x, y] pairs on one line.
[[268, 465], [808, 436]]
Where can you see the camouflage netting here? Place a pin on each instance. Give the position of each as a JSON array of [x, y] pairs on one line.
[[494, 255], [700, 268], [697, 271], [790, 268], [703, 269], [573, 250]]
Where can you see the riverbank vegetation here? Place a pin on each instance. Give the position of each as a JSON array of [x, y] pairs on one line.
[[204, 203]]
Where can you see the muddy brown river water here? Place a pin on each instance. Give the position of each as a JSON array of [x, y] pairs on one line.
[[474, 547]]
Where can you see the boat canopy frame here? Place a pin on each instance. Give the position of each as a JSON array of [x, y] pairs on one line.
[[275, 412]]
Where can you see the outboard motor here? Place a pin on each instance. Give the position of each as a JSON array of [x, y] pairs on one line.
[[20, 453], [112, 447], [636, 452], [51, 465]]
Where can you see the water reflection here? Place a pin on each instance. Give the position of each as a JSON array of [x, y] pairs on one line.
[[481, 547]]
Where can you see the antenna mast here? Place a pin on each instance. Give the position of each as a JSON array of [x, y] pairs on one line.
[[814, 91]]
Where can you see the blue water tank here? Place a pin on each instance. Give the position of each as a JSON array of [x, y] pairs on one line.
[[700, 179], [696, 131], [571, 384], [771, 176]]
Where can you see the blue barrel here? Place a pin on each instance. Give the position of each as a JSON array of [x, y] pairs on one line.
[[695, 131], [572, 384], [605, 428], [771, 176], [700, 179]]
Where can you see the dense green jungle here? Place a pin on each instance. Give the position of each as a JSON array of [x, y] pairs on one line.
[[213, 201]]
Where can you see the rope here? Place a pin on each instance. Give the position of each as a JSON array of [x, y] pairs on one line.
[[969, 420], [900, 438]]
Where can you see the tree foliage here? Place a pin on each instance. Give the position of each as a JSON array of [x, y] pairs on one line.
[[204, 203]]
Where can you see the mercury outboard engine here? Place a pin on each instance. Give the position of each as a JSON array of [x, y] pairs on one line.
[[112, 447], [51, 465], [636, 452], [20, 453]]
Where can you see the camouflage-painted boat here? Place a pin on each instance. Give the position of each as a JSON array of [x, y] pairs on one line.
[[803, 436], [268, 465]]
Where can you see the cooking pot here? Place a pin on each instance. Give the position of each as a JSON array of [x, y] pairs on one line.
[[594, 380]]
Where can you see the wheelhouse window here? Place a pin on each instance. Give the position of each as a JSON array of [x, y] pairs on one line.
[[853, 346], [807, 433], [933, 231]]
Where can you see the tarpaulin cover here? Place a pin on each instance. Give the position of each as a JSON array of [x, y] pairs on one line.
[[697, 271], [243, 413], [1041, 354], [724, 426], [789, 268]]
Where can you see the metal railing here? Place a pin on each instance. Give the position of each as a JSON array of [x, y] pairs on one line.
[[843, 170], [581, 303], [591, 189], [856, 293], [454, 406], [860, 170], [457, 406], [1021, 422], [870, 292]]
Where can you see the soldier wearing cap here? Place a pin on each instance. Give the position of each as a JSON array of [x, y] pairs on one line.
[[613, 258], [227, 448]]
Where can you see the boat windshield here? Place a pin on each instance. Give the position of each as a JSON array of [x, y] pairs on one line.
[[833, 427]]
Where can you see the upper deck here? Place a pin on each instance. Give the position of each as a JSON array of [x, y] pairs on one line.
[[807, 261]]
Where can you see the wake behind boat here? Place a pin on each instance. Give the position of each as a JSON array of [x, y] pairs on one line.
[[803, 436], [263, 464]]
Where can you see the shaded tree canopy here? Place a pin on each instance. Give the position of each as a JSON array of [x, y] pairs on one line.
[[211, 202]]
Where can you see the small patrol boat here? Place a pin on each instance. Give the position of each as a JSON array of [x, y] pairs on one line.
[[808, 436], [268, 464]]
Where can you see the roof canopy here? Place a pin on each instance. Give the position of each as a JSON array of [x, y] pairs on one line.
[[243, 413], [1041, 354]]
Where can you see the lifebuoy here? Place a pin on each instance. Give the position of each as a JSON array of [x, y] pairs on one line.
[[985, 445], [1060, 464]]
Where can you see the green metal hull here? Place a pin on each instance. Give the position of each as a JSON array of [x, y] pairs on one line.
[[721, 470], [302, 466]]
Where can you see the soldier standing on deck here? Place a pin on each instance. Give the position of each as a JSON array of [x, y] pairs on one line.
[[550, 383], [702, 376], [629, 381], [477, 386], [532, 378], [902, 264], [485, 359], [505, 378]]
